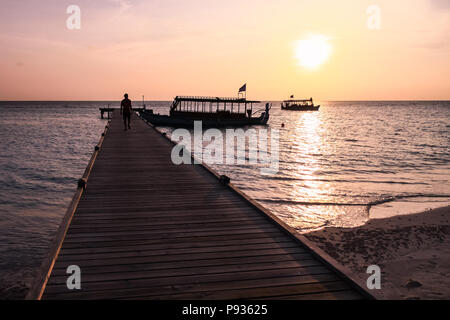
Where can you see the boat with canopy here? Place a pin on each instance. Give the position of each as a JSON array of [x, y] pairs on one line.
[[212, 111], [299, 105]]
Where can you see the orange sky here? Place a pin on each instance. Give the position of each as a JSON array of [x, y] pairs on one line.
[[164, 48]]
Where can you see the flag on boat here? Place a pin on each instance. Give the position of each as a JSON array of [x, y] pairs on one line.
[[243, 88]]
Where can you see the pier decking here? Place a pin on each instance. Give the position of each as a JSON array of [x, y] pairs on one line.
[[109, 111], [145, 228]]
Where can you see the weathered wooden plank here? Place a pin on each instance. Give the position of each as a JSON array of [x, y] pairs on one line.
[[167, 215], [169, 235], [68, 254], [251, 289], [112, 290], [332, 295], [175, 276], [182, 258], [241, 238], [148, 208], [169, 269], [136, 230], [188, 246], [114, 222]]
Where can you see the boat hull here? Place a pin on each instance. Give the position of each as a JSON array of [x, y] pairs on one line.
[[183, 122], [301, 108]]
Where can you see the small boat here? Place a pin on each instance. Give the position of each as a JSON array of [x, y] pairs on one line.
[[214, 112], [299, 105]]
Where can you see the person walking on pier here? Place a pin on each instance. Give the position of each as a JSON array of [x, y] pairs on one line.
[[125, 110]]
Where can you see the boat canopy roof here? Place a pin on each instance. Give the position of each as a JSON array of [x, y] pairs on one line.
[[298, 100], [214, 99]]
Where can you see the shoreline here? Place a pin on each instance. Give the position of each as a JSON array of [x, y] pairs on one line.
[[413, 252]]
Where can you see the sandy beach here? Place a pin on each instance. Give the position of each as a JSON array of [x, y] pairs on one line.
[[413, 252]]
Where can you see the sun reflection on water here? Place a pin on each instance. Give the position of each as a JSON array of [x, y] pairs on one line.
[[312, 194], [307, 142]]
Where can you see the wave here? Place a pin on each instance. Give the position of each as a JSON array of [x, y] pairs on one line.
[[400, 197], [348, 181], [311, 203], [370, 204]]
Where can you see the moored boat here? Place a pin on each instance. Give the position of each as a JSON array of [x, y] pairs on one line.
[[299, 105], [212, 111]]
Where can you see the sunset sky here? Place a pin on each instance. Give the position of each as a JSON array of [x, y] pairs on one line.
[[164, 48]]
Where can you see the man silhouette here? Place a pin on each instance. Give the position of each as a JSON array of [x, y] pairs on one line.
[[125, 110]]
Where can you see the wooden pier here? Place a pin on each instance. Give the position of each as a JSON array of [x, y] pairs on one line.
[[140, 227], [109, 111]]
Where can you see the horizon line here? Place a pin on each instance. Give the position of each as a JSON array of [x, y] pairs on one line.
[[164, 100]]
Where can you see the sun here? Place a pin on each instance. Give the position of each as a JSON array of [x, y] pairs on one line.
[[313, 51]]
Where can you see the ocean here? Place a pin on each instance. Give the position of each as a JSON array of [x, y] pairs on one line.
[[340, 166]]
